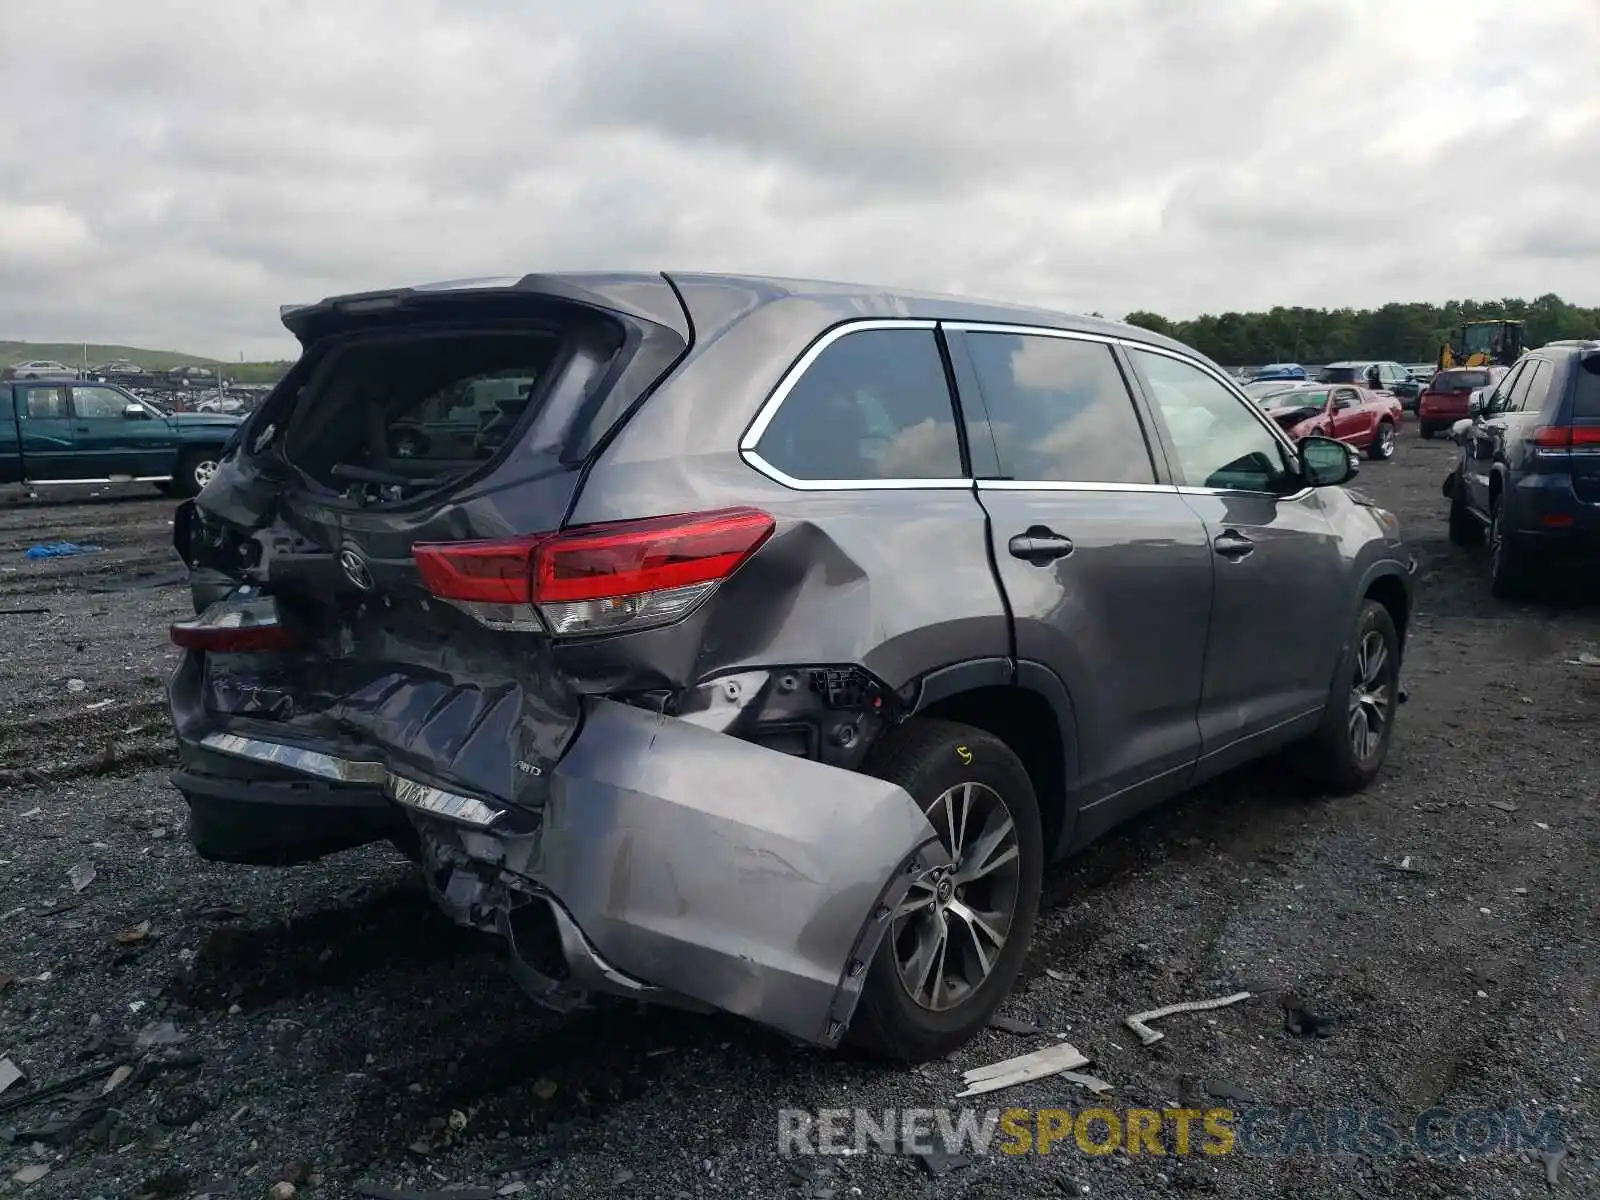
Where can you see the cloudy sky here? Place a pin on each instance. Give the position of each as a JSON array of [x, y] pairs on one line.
[[173, 170]]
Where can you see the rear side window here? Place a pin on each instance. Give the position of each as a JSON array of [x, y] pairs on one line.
[[873, 405], [1586, 400], [46, 403], [1059, 409]]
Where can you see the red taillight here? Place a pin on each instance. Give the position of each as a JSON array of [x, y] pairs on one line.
[[496, 572], [596, 578], [1552, 437], [1563, 437], [626, 558]]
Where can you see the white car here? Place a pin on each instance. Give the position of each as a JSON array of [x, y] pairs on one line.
[[40, 368]]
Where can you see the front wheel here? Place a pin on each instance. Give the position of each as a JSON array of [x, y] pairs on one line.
[[1382, 442], [195, 471], [955, 944], [1346, 753]]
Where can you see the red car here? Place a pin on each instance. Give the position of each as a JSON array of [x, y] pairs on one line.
[[1356, 416], [1444, 401]]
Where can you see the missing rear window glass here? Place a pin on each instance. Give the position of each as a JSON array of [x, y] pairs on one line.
[[403, 414]]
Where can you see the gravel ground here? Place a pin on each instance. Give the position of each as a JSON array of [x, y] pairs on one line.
[[337, 1032]]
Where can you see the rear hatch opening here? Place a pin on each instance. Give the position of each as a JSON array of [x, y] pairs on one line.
[[392, 416]]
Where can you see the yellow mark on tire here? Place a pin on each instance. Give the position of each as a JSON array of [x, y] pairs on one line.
[[964, 755]]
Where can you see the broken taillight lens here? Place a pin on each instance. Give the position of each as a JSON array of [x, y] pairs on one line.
[[621, 575], [231, 627]]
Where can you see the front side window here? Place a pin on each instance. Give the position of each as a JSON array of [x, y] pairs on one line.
[[1219, 442], [98, 403], [1506, 393], [1059, 409], [873, 405]]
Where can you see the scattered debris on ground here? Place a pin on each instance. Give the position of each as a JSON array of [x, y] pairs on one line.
[[1140, 1022], [1025, 1067]]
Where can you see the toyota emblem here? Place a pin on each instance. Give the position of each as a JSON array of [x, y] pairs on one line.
[[355, 569]]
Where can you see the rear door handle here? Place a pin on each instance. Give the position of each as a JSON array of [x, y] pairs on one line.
[[1233, 544], [1039, 545]]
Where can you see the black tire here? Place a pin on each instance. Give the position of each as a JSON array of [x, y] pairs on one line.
[[1509, 574], [1330, 756], [928, 758], [1427, 432], [1382, 448], [1465, 528], [194, 470]]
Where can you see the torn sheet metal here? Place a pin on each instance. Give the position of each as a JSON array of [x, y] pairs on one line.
[[1025, 1067], [673, 862], [1139, 1021]]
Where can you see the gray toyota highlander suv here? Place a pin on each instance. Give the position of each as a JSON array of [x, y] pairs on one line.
[[763, 648]]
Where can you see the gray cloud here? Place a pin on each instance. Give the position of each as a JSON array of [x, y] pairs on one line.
[[197, 164]]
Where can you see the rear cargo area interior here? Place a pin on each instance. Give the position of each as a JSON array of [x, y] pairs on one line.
[[417, 406]]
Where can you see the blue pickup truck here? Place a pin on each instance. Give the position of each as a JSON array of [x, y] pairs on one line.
[[59, 431]]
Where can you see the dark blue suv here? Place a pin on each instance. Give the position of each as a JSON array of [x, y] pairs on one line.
[[1529, 468]]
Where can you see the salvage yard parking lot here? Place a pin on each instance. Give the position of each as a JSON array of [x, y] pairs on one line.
[[330, 1027]]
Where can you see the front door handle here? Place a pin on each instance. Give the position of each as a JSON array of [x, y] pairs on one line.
[[1039, 545], [1233, 544]]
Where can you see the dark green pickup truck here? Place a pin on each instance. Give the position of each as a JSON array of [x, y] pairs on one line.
[[70, 431]]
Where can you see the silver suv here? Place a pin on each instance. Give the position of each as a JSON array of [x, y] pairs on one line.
[[783, 637]]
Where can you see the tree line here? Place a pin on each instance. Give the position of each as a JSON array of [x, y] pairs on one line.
[[1400, 332]]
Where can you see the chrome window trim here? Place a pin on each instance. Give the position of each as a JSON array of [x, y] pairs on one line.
[[1029, 485], [793, 374], [786, 384], [1210, 491], [954, 483], [1072, 335]]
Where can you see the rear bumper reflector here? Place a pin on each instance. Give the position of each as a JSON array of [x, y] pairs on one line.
[[407, 792]]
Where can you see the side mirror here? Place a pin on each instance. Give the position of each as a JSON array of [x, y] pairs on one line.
[[1462, 429], [1327, 463], [136, 412], [1477, 402]]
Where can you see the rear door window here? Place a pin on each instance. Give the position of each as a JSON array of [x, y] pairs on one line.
[[1059, 409], [1532, 397], [46, 403], [874, 405]]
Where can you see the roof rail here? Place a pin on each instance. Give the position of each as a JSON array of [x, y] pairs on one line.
[[1585, 343]]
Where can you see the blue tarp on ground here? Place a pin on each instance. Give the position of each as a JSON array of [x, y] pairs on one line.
[[59, 550]]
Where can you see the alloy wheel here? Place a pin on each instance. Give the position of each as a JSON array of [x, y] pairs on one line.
[[952, 925], [1385, 440], [203, 471], [1369, 695]]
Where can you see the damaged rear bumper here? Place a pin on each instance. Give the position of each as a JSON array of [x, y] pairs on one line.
[[669, 862]]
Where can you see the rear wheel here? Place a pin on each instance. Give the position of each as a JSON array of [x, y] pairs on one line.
[[956, 943], [1382, 441], [1427, 432], [1346, 753], [1508, 573]]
